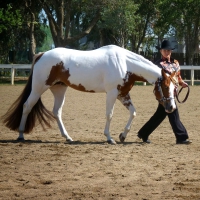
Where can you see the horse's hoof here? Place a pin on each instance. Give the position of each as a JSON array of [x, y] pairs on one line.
[[69, 140], [20, 139], [111, 141], [121, 138]]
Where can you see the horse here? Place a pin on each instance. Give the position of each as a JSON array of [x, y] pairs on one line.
[[109, 69]]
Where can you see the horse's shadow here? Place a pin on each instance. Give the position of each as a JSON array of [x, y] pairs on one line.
[[67, 143]]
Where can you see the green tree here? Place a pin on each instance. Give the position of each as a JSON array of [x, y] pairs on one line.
[[181, 19], [20, 30], [117, 22], [126, 23], [48, 41], [9, 18], [66, 19]]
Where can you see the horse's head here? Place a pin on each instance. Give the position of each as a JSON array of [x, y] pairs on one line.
[[164, 91]]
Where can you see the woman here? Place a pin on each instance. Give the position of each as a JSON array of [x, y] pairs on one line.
[[170, 65]]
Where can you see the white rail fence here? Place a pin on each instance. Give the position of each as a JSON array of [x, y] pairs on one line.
[[14, 67]]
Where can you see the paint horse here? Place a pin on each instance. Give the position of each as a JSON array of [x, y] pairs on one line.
[[109, 69]]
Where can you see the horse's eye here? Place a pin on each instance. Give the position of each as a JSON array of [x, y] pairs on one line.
[[166, 88]]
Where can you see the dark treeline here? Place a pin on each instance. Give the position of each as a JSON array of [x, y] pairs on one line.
[[27, 27]]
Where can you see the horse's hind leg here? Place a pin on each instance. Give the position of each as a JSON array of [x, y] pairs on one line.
[[110, 101], [27, 107], [126, 101], [59, 96]]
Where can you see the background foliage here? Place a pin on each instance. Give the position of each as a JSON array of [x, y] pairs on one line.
[[28, 27]]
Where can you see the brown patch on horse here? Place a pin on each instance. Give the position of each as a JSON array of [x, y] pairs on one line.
[[126, 100], [59, 74], [129, 81], [164, 86]]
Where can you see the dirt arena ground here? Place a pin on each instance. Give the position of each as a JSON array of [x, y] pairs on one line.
[[46, 167]]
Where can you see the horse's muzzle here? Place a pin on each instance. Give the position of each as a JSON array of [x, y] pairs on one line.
[[169, 108]]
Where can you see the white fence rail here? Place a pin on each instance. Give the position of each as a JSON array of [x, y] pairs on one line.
[[192, 69], [13, 67]]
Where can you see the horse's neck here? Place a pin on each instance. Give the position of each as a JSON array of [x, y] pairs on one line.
[[152, 74], [145, 68]]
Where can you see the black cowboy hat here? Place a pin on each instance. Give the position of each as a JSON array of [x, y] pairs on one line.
[[165, 45]]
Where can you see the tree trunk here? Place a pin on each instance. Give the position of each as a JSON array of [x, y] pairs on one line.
[[60, 37], [32, 36], [191, 39], [32, 45]]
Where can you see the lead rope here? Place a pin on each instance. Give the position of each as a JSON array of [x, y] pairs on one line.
[[179, 91]]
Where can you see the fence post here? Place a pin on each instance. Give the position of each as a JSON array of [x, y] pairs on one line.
[[192, 76], [12, 75]]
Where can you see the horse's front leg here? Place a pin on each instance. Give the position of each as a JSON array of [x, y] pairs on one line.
[[126, 101], [110, 101]]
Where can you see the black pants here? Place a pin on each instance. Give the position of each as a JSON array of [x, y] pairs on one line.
[[160, 114]]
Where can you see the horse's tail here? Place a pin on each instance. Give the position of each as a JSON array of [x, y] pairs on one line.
[[13, 116]]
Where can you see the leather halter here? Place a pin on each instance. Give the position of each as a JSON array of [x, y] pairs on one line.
[[163, 98]]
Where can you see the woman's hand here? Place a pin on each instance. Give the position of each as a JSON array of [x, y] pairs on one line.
[[184, 84]]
